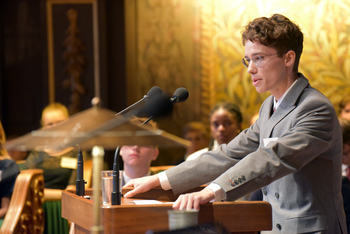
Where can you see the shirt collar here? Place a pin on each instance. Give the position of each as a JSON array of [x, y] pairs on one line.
[[276, 103]]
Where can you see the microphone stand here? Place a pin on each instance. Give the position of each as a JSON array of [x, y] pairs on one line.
[[80, 183], [128, 108], [97, 159], [147, 120], [154, 91], [116, 195]]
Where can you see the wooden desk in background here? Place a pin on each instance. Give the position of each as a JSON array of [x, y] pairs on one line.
[[236, 217]]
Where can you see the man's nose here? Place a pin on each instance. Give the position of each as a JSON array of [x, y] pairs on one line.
[[251, 68]]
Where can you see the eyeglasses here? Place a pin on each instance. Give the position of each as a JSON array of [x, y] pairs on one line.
[[258, 60]]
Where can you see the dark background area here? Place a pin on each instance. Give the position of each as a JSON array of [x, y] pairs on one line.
[[24, 63]]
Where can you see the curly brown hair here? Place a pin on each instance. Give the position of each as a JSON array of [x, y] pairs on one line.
[[277, 32]]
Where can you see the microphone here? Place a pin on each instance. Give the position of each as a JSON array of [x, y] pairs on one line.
[[80, 183], [180, 95], [157, 106], [153, 92], [163, 105], [116, 196]]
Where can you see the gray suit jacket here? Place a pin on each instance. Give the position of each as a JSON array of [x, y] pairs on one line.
[[299, 172]]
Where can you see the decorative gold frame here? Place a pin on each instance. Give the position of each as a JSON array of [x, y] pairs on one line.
[[50, 44]]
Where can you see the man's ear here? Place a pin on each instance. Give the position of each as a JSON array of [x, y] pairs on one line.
[[155, 154], [290, 58]]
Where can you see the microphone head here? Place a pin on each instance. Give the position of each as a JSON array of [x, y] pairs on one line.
[[180, 95], [157, 106], [154, 91]]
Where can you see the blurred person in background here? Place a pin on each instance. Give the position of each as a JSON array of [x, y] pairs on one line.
[[8, 175], [137, 159], [59, 166], [198, 134], [344, 108], [345, 125], [225, 124]]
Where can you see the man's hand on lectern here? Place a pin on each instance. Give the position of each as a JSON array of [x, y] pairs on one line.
[[142, 185], [193, 200]]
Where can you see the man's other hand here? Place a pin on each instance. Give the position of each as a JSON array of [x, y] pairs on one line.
[[193, 200], [142, 185]]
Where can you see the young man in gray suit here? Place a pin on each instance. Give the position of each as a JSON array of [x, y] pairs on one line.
[[292, 152]]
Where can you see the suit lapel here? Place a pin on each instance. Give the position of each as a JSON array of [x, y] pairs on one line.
[[287, 105]]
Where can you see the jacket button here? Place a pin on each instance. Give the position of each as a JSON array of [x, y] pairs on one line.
[[264, 191], [239, 180], [277, 195], [243, 177], [236, 182], [279, 226]]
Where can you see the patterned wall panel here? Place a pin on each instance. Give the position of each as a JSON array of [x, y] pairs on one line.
[[197, 44], [164, 52], [325, 60]]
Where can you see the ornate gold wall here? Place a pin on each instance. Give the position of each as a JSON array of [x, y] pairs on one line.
[[197, 44], [325, 60], [162, 39]]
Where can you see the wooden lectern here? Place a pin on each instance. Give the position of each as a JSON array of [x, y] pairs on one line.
[[236, 217]]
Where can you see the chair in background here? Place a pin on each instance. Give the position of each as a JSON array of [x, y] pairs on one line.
[[25, 213]]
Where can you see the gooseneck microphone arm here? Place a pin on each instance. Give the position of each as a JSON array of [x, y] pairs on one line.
[[116, 195], [133, 105], [80, 183], [154, 91], [147, 120]]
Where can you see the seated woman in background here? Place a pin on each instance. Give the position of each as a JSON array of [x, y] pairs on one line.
[[8, 174], [225, 124]]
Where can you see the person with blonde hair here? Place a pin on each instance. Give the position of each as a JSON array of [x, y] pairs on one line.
[[8, 174], [53, 114], [60, 167], [59, 171], [3, 151]]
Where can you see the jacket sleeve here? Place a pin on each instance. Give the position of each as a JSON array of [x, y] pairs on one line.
[[210, 165]]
